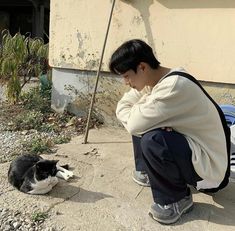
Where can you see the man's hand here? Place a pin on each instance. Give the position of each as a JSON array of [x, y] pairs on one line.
[[168, 129]]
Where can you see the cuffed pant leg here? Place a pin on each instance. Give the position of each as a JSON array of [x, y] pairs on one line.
[[168, 160]]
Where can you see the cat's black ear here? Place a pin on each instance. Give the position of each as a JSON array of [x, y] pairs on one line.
[[55, 161]]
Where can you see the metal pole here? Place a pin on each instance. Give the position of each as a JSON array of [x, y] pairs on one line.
[[98, 74]]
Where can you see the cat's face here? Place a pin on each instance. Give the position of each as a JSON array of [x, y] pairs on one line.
[[45, 168]]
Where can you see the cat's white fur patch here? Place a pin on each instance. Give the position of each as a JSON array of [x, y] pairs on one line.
[[43, 186], [46, 185], [63, 173]]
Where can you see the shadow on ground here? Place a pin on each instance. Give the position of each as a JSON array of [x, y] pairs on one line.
[[77, 194], [220, 212]]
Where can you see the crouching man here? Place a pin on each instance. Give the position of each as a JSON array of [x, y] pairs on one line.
[[180, 136]]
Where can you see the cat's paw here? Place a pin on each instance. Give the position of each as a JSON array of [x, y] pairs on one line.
[[64, 174], [69, 173]]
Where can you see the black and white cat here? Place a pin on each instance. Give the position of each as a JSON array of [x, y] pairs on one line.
[[34, 175]]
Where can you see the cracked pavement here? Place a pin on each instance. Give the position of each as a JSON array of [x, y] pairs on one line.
[[102, 195]]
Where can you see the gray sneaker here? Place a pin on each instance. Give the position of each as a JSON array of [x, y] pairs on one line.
[[168, 214], [141, 178]]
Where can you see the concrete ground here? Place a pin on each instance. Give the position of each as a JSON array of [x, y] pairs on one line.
[[102, 195]]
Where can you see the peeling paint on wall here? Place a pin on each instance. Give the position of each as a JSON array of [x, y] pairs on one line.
[[74, 89], [76, 30], [137, 20]]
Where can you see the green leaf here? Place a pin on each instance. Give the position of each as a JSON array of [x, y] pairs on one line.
[[21, 57]]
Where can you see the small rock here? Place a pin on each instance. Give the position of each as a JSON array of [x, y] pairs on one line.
[[27, 220], [10, 123], [7, 228], [16, 213], [58, 213], [50, 229], [16, 225], [4, 211], [25, 132], [9, 220]]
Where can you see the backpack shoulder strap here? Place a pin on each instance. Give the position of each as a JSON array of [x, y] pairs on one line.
[[222, 118]]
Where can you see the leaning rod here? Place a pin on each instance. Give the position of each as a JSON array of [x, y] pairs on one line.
[[98, 75]]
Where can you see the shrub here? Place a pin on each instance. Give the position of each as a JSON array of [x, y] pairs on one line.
[[21, 58], [36, 99], [38, 146], [28, 120], [62, 139]]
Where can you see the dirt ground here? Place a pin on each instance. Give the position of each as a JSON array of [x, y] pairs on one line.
[[102, 195]]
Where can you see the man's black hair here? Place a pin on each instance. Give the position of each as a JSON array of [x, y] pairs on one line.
[[129, 55]]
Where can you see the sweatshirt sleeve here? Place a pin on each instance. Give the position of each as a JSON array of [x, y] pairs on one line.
[[124, 106], [140, 116], [152, 110]]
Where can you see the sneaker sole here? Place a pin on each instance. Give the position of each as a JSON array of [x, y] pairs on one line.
[[171, 221], [140, 183]]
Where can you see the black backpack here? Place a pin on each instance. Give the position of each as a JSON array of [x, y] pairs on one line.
[[225, 127]]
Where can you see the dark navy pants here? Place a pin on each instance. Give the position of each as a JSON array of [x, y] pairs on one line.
[[167, 158]]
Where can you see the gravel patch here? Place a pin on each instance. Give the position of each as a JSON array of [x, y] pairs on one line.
[[15, 143], [15, 220]]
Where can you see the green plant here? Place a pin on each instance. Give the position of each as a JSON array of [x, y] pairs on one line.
[[21, 58], [37, 99], [39, 145], [28, 120], [62, 139], [47, 127], [39, 216]]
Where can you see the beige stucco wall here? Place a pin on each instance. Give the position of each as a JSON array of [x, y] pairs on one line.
[[198, 35]]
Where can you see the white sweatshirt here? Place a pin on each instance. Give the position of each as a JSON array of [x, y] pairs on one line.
[[179, 103]]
